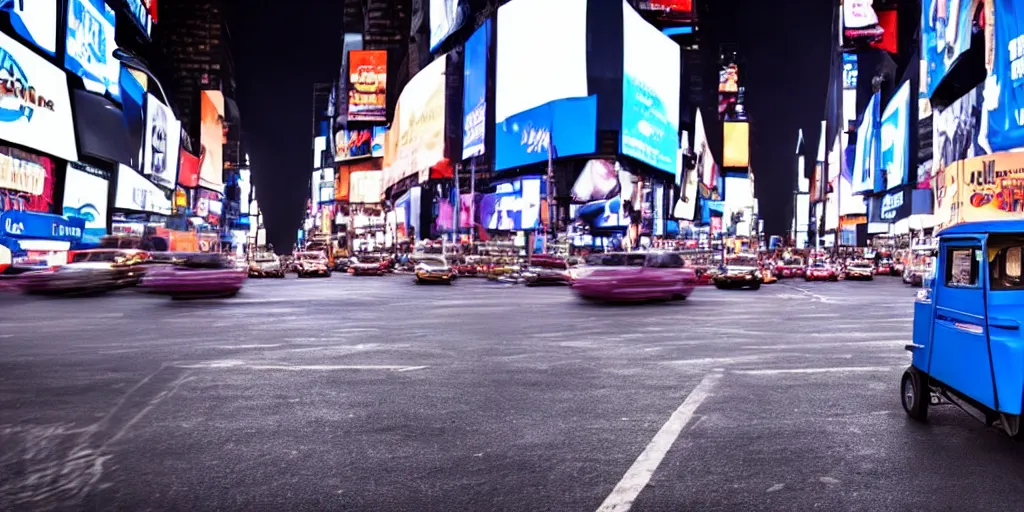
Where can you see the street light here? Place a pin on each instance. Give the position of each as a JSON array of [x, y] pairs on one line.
[[135, 62]]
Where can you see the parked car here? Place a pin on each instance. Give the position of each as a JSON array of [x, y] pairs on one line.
[[367, 265], [885, 268], [634, 276], [860, 270], [546, 270], [433, 269], [819, 271], [741, 271], [312, 264], [89, 271], [266, 265], [195, 276], [791, 267]]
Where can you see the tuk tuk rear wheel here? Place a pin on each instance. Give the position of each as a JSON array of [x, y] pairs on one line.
[[914, 394]]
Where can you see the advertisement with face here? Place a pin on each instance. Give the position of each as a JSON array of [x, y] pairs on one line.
[[864, 155], [650, 93], [605, 191], [85, 197], [528, 29], [367, 85], [1004, 90], [417, 132], [91, 45], [26, 181], [35, 22], [515, 205], [43, 121], [212, 135], [895, 140], [138, 194], [945, 35], [160, 153], [474, 96], [446, 16]]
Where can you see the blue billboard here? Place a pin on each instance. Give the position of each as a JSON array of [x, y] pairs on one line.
[[1005, 120], [945, 35], [515, 205], [570, 124], [864, 154], [35, 21], [90, 46], [474, 92], [894, 142], [650, 93]]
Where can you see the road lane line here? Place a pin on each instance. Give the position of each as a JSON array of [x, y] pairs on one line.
[[848, 369], [640, 473]]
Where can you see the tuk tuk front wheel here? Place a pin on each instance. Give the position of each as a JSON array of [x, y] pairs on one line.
[[914, 394]]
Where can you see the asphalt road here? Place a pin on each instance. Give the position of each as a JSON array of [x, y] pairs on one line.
[[375, 394]]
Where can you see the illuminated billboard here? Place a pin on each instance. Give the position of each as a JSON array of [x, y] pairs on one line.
[[736, 148], [367, 85], [415, 141], [212, 135]]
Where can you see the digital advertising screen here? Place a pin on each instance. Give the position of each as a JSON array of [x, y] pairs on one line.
[[945, 35], [367, 85], [365, 187], [446, 16], [138, 194], [91, 45], [650, 93], [35, 21], [672, 10], [139, 13], [209, 206], [565, 127], [379, 136], [730, 91], [133, 101], [541, 54], [894, 140], [85, 197], [352, 144], [706, 168], [160, 153], [850, 71], [514, 205], [418, 125], [26, 181], [474, 96], [213, 133], [1005, 122], [686, 203], [326, 189], [43, 121], [603, 190], [736, 144], [864, 154]]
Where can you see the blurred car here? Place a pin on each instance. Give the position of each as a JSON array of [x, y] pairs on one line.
[[89, 271], [859, 270], [634, 276], [266, 265], [742, 271], [366, 265], [312, 264], [768, 276], [500, 270], [545, 269], [885, 268], [790, 267], [195, 276], [915, 275], [820, 272], [433, 269]]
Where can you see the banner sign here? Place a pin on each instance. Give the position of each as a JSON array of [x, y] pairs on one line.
[[41, 226], [1005, 86]]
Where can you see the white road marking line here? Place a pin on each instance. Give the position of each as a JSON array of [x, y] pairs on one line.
[[228, 363], [848, 369], [640, 473], [231, 347]]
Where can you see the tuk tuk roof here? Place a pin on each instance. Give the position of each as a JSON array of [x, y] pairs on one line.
[[985, 227]]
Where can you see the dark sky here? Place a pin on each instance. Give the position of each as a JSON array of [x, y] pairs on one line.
[[281, 52]]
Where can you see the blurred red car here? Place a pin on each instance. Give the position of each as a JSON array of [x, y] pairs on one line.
[[634, 276], [195, 276], [790, 267], [820, 272], [885, 268]]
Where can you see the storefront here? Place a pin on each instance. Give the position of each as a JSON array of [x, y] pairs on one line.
[[34, 239]]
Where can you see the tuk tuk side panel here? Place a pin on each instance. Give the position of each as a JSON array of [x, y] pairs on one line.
[[923, 314], [960, 352], [1004, 320]]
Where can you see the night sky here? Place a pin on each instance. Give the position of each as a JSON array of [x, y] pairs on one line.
[[281, 52]]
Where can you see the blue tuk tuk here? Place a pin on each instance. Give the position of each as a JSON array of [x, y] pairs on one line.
[[968, 346]]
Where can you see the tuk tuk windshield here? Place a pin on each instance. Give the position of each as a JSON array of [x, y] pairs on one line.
[[1005, 254]]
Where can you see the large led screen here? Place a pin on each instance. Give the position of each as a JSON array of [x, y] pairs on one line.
[[212, 135], [136, 193], [945, 35], [895, 140], [367, 85], [41, 121], [560, 128], [1006, 105], [604, 190], [364, 187], [515, 205], [864, 154], [650, 93], [85, 197], [91, 45], [26, 181], [736, 145], [140, 15], [474, 96], [706, 169], [35, 21], [163, 138], [416, 137], [541, 54], [446, 16], [353, 144]]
